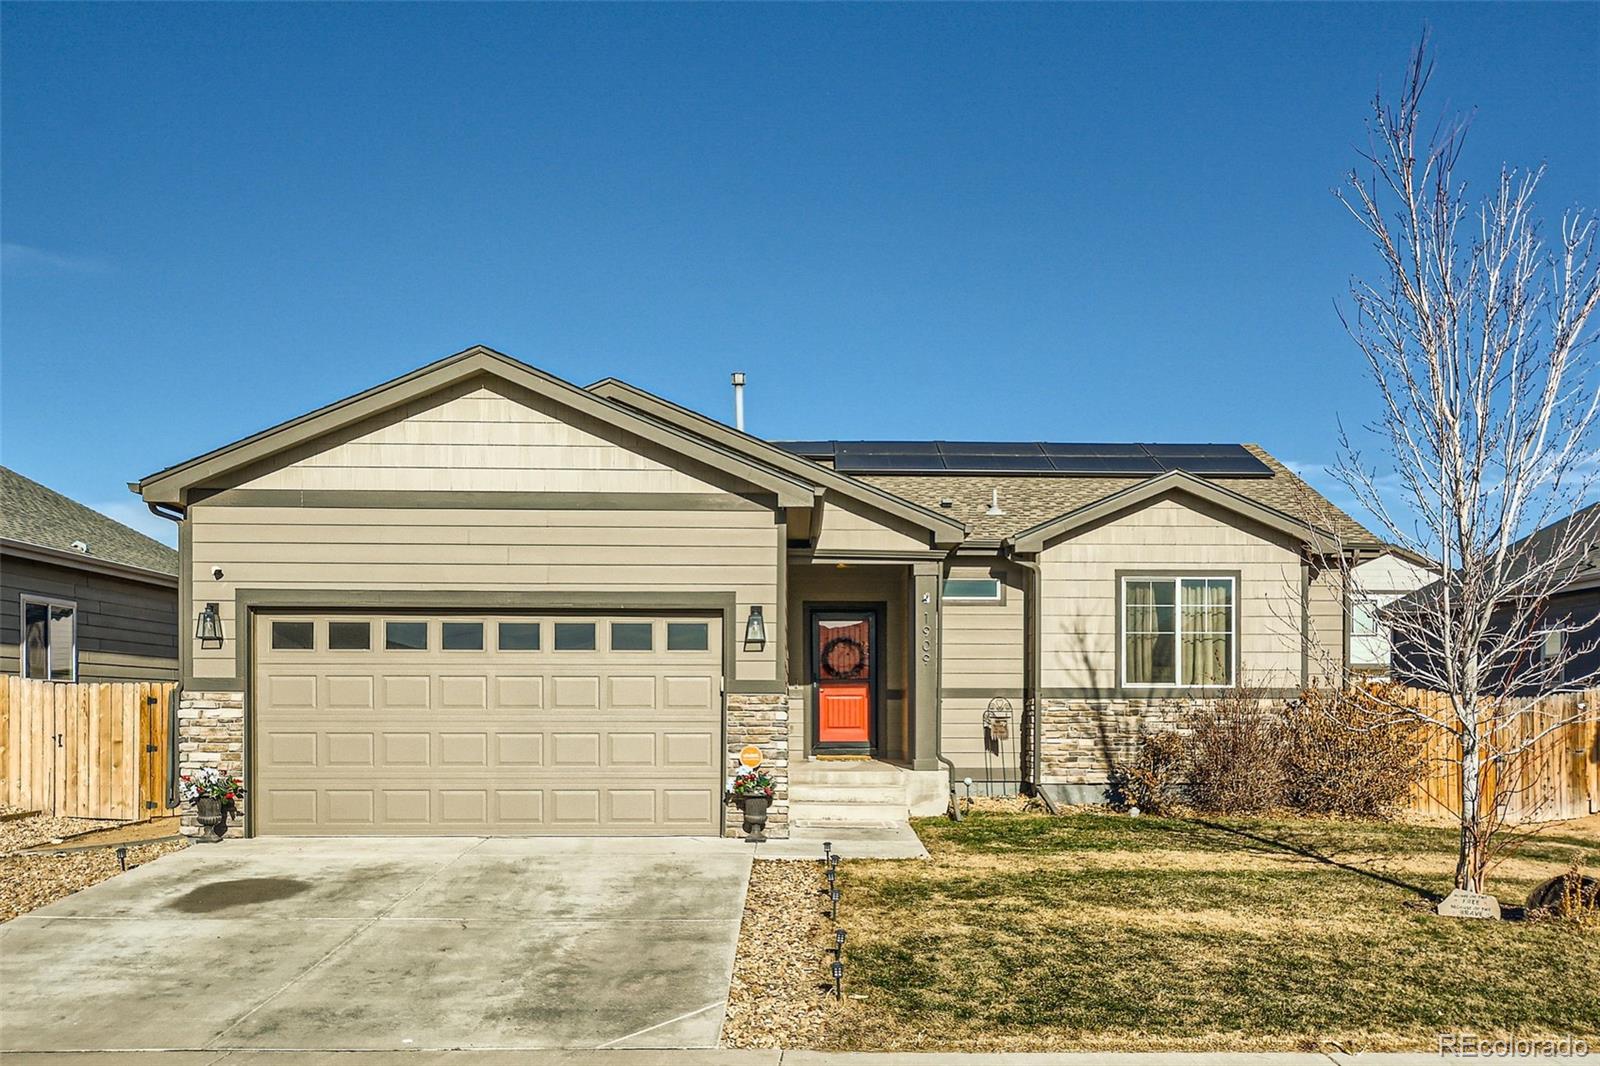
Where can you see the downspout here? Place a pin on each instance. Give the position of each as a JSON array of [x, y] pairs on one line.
[[172, 515], [1030, 678], [938, 711], [172, 745]]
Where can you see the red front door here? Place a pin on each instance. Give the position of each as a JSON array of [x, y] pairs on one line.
[[844, 664]]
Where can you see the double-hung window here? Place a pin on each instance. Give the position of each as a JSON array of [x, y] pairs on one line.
[[49, 639], [1179, 631]]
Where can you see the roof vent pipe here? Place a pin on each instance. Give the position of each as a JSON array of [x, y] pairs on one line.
[[738, 400], [994, 510]]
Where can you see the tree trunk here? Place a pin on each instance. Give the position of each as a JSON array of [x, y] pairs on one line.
[[1472, 853]]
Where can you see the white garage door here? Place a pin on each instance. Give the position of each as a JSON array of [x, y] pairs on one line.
[[487, 724]]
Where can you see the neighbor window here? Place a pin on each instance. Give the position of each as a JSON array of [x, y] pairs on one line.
[[1366, 622], [688, 636], [462, 636], [1178, 631], [519, 636], [49, 640], [294, 636], [574, 636], [631, 636], [349, 636], [1553, 644], [405, 636], [974, 589]]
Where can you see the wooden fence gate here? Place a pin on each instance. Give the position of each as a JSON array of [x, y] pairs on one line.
[[85, 750], [1556, 778]]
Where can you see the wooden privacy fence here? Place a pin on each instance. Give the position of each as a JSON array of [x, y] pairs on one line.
[[1556, 777], [85, 750]]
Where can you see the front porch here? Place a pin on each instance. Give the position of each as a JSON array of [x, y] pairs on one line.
[[863, 668]]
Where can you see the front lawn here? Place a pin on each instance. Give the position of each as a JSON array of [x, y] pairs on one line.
[[1098, 931]]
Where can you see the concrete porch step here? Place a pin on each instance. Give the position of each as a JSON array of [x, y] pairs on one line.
[[852, 792], [844, 811], [839, 774]]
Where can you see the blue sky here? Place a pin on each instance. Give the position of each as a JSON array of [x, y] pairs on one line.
[[988, 222]]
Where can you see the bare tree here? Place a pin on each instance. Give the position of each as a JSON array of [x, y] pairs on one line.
[[1473, 334]]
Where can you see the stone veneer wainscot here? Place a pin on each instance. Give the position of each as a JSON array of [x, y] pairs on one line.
[[210, 733], [762, 720]]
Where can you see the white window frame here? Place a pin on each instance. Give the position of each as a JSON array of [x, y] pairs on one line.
[[999, 589], [1177, 630], [22, 635]]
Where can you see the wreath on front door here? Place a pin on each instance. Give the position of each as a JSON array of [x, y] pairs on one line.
[[844, 657]]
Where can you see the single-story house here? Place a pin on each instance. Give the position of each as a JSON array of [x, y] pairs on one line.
[[480, 599], [1557, 648], [82, 596]]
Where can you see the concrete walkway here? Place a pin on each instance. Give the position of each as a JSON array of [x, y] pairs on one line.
[[384, 944], [486, 1057], [851, 842]]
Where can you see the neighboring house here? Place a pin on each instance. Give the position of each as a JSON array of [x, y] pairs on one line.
[[82, 597], [480, 599], [1376, 583], [1570, 621]]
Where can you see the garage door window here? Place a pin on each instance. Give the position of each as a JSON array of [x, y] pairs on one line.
[[687, 636], [574, 636], [349, 636], [405, 636], [463, 636], [294, 636], [519, 636], [632, 636]]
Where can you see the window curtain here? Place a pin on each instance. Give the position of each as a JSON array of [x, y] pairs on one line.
[[1207, 632], [1148, 632]]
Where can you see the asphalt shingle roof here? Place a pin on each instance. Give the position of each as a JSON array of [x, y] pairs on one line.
[[1028, 500], [34, 514]]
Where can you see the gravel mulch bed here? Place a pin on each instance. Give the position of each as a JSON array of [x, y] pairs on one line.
[[42, 829], [779, 993], [30, 881]]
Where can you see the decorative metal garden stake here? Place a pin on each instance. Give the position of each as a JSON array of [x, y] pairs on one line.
[[122, 858], [838, 979], [834, 896], [838, 945]]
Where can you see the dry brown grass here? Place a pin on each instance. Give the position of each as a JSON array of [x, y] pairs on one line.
[[1099, 932]]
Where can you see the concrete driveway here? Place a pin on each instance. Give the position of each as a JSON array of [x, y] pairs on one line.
[[386, 943]]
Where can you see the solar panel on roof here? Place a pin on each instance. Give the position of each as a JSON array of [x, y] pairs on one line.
[[964, 447], [1029, 457], [1107, 465], [888, 462], [886, 447], [989, 464], [811, 449]]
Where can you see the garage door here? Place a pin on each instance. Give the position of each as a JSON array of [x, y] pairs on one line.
[[491, 724]]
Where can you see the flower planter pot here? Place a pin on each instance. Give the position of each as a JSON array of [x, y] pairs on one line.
[[755, 817], [213, 818]]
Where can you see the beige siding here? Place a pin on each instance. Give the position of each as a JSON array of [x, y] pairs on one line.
[[478, 438], [1174, 533], [1325, 624], [983, 651], [849, 526], [127, 630], [484, 550]]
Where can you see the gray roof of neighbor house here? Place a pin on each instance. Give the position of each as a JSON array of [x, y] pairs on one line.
[[1028, 500], [33, 514]]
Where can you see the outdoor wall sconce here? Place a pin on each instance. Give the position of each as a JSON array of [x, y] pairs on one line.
[[208, 627], [755, 629]]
